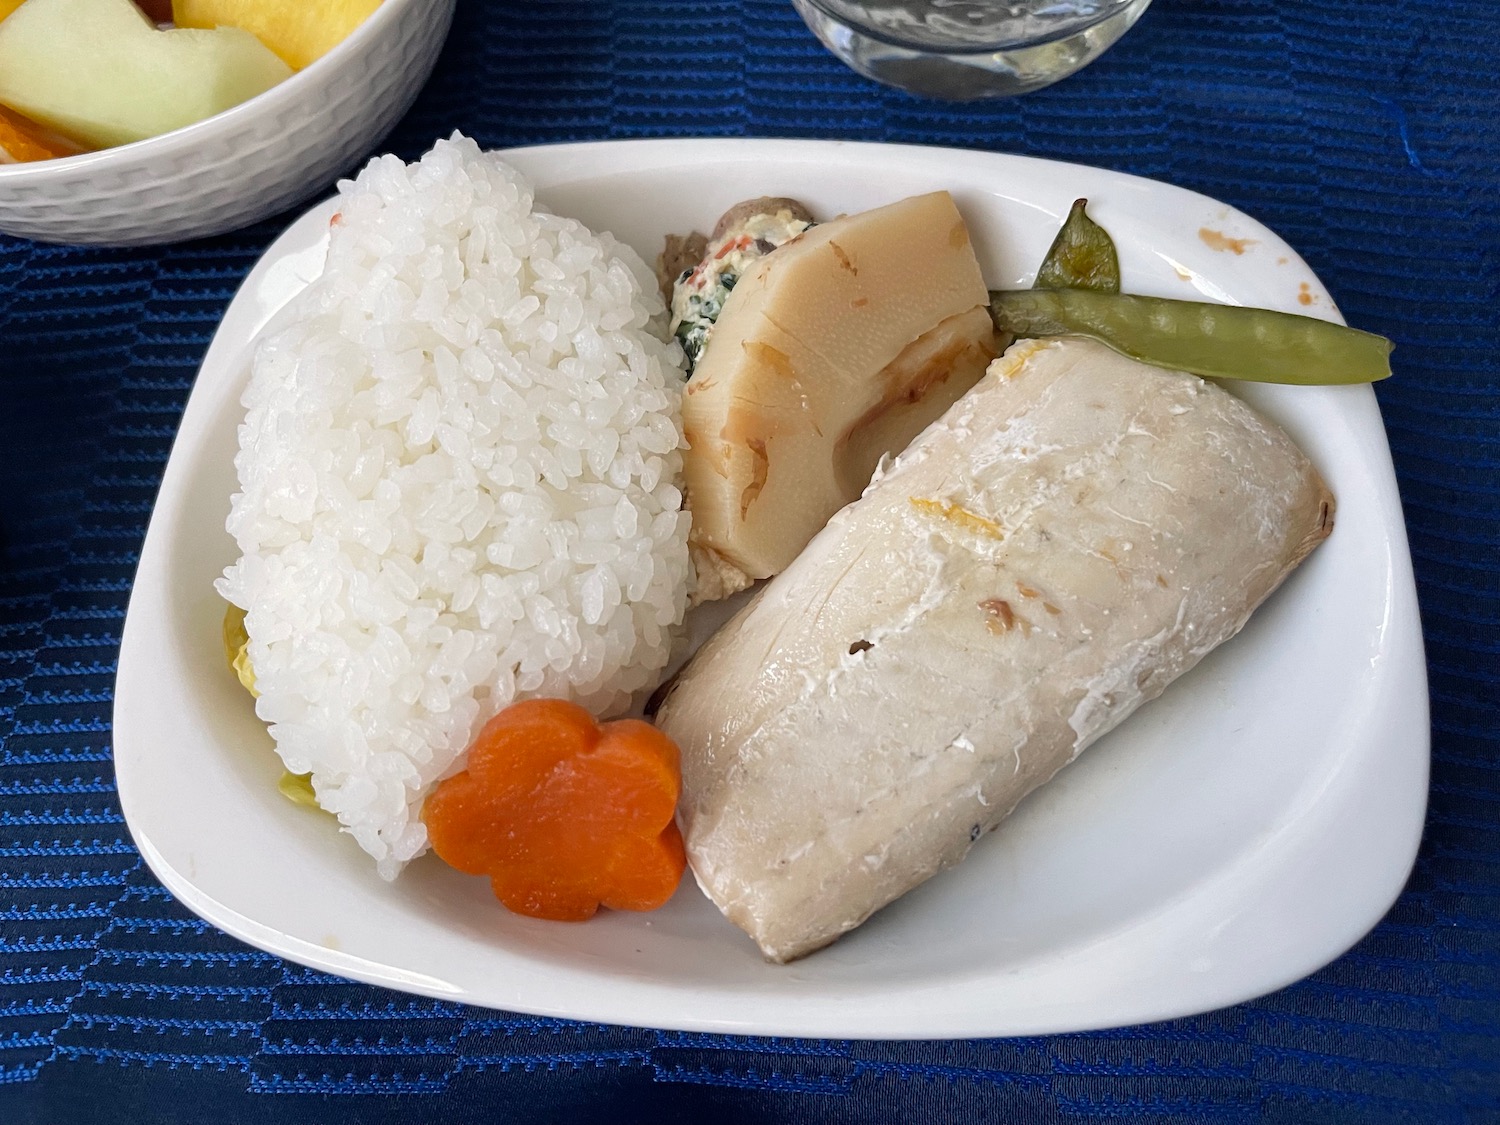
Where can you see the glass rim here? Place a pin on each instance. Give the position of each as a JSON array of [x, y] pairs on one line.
[[987, 47]]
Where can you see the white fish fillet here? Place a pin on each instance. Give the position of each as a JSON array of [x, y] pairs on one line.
[[1070, 537]]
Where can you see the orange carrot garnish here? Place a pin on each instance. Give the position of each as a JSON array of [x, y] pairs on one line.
[[23, 140], [564, 814]]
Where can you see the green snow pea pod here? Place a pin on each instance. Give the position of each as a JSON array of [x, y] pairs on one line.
[[1216, 341], [1082, 256]]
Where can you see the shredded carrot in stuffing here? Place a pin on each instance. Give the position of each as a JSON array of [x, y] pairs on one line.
[[740, 243]]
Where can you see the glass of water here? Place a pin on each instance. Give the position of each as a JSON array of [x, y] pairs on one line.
[[965, 49]]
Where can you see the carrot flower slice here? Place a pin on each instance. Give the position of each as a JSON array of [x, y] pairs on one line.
[[564, 815]]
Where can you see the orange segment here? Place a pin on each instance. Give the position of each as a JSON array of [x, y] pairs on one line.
[[300, 31], [23, 140]]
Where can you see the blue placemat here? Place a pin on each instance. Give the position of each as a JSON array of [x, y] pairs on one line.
[[1364, 131]]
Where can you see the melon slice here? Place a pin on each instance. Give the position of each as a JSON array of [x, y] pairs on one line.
[[300, 31], [99, 71], [840, 346]]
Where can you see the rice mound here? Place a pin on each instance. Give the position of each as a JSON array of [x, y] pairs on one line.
[[459, 473]]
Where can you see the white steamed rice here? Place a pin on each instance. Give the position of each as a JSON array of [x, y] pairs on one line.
[[459, 486]]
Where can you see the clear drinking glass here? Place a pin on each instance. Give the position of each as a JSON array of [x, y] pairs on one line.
[[965, 49]]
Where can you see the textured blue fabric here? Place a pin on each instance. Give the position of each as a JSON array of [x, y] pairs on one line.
[[1364, 131]]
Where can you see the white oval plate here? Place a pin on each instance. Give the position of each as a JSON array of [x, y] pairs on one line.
[[1232, 837]]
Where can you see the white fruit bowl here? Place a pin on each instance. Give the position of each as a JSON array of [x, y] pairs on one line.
[[239, 166]]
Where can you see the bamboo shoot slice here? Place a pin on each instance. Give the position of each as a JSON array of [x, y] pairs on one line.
[[840, 346]]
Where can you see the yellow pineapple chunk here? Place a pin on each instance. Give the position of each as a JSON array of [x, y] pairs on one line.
[[300, 31]]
